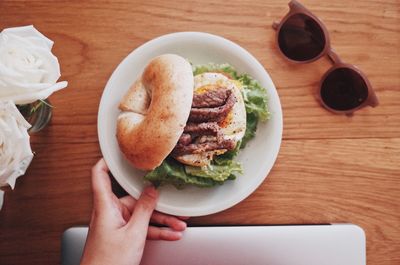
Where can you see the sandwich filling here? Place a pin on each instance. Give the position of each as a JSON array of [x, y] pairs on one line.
[[203, 132], [217, 120], [225, 110]]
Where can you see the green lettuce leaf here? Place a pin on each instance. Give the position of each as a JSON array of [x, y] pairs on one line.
[[225, 68], [255, 97], [221, 171], [251, 128], [173, 172], [223, 168]]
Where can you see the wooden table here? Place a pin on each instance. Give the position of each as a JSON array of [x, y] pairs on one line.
[[330, 168]]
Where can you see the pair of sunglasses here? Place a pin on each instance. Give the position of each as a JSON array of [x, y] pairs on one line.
[[303, 38]]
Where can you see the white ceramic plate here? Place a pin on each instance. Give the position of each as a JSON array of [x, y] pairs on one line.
[[257, 158]]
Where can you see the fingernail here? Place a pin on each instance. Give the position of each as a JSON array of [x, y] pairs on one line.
[[181, 226], [174, 235], [179, 234], [151, 191]]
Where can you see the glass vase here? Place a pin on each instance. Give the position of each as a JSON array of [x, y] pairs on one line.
[[38, 114]]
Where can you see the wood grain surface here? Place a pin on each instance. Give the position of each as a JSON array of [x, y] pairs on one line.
[[330, 168]]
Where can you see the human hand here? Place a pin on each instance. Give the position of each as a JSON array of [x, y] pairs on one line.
[[118, 227]]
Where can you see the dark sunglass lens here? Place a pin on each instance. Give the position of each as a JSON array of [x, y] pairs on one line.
[[344, 89], [301, 38]]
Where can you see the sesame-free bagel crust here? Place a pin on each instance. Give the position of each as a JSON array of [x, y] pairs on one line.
[[155, 111]]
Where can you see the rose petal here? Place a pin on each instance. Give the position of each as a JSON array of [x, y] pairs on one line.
[[28, 69], [50, 64], [15, 150], [28, 32], [40, 59], [23, 166]]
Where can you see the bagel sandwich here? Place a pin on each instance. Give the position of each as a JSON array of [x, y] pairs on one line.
[[185, 124]]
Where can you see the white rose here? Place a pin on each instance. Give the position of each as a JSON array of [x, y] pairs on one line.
[[15, 148], [28, 69]]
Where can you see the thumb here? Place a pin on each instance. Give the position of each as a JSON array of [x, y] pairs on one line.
[[144, 208], [101, 185]]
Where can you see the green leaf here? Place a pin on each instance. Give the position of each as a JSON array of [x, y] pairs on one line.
[[173, 172], [255, 97], [218, 171], [46, 102], [218, 68], [251, 128], [222, 168]]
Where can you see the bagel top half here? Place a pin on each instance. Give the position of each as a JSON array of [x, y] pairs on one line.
[[155, 110]]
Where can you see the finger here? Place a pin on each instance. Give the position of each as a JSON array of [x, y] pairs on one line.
[[183, 217], [158, 233], [101, 184], [129, 202], [140, 218], [168, 220]]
